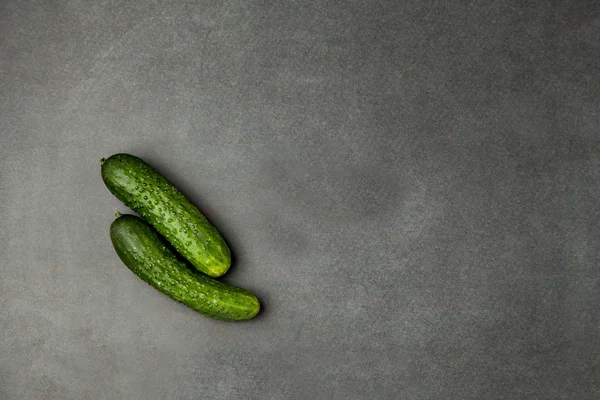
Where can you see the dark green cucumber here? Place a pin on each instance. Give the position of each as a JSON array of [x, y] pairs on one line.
[[147, 255], [148, 193]]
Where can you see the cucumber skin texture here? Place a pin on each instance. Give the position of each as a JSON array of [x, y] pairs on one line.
[[146, 254], [145, 191]]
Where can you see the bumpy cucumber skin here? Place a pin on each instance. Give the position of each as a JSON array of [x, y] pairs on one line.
[[144, 190], [146, 254]]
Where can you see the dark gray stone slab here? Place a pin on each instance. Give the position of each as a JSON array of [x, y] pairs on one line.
[[410, 187]]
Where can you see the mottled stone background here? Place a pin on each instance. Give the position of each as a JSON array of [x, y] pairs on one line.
[[411, 187]]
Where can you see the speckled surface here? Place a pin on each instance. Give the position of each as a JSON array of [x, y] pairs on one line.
[[411, 188]]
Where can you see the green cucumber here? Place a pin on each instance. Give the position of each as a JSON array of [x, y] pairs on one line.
[[144, 190], [148, 256]]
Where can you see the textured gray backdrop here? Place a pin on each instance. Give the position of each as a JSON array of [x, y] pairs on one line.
[[411, 187]]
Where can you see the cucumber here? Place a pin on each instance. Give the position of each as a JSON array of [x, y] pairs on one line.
[[144, 190], [148, 256]]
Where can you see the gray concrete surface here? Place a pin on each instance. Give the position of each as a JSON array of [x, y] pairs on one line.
[[410, 187]]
